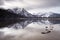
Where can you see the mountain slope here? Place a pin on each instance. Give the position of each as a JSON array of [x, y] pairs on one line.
[[6, 14], [50, 15], [20, 11], [54, 15]]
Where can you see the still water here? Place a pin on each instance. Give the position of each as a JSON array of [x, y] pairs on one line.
[[30, 29]]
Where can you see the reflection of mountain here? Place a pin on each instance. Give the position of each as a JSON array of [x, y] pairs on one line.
[[4, 23], [45, 22], [54, 20], [51, 21], [22, 23]]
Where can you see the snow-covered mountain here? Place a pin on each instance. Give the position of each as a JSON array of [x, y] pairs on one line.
[[23, 13], [45, 15], [20, 11], [50, 14], [55, 15], [15, 10]]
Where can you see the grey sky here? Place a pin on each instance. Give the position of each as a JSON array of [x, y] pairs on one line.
[[30, 4], [1, 2]]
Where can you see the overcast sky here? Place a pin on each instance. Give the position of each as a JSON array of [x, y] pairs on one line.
[[33, 6]]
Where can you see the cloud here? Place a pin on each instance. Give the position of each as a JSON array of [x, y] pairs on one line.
[[30, 4], [9, 0], [43, 3], [1, 2], [45, 10]]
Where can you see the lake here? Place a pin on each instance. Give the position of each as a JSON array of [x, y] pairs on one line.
[[30, 29]]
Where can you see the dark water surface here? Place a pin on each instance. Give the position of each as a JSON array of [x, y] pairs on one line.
[[30, 29]]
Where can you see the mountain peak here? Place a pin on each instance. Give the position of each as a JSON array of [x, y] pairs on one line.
[[16, 10]]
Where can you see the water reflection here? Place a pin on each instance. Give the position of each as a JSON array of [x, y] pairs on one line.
[[22, 23], [28, 27]]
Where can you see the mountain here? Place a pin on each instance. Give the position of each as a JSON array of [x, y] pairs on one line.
[[5, 14], [25, 13], [20, 11], [51, 14], [45, 14], [7, 18], [55, 15]]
